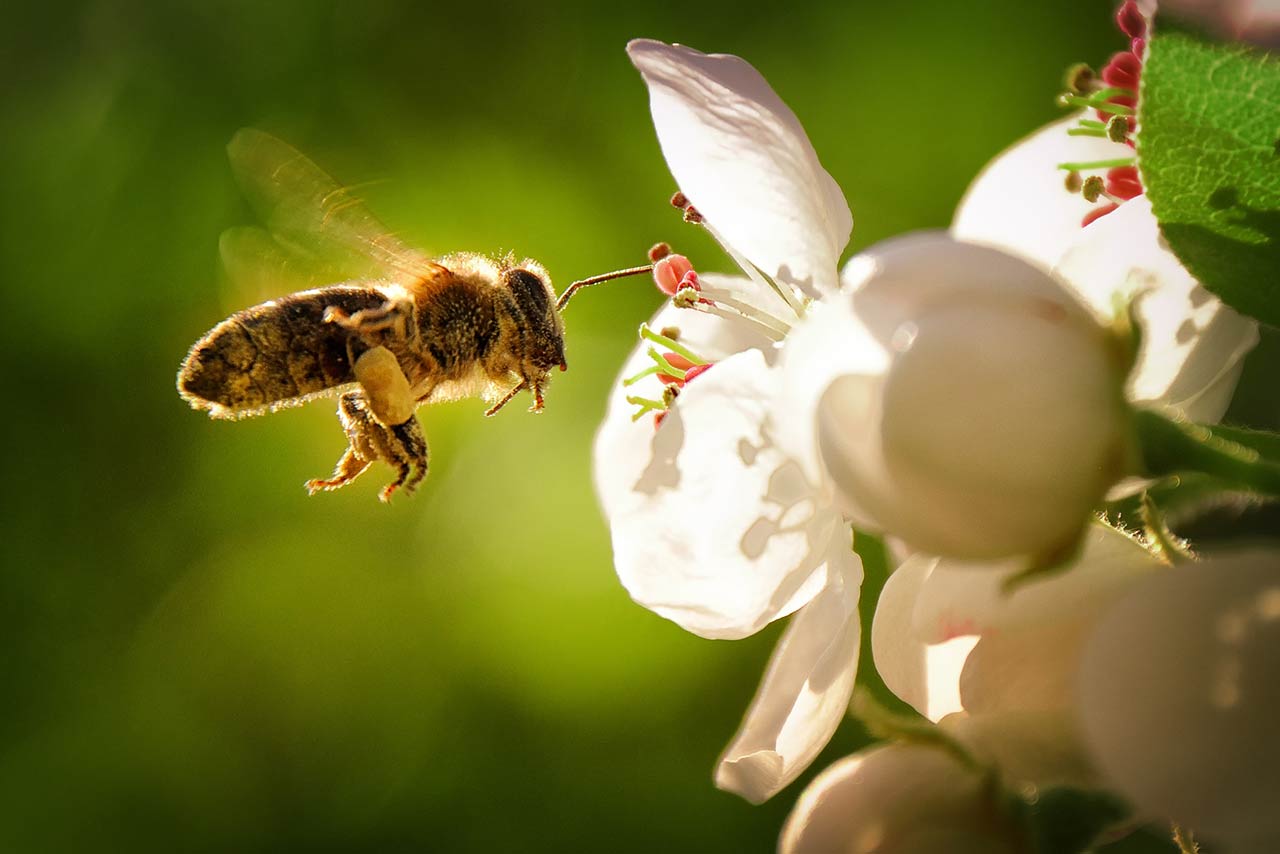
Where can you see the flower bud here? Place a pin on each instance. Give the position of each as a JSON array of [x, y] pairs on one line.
[[997, 420], [899, 799], [1179, 696]]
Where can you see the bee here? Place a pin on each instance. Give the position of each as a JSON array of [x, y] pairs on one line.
[[404, 330]]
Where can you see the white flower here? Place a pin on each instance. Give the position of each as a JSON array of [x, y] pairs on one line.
[[1193, 346], [993, 420], [1179, 697], [1256, 21], [900, 799], [719, 521], [997, 669]]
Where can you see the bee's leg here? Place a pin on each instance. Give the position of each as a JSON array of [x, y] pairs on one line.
[[410, 450], [349, 467], [402, 446], [395, 316], [538, 402]]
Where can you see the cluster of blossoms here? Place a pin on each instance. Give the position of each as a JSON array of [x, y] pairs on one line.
[[970, 396]]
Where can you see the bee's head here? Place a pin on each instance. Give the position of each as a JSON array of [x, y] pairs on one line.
[[530, 285]]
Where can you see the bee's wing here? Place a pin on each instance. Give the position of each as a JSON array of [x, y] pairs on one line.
[[311, 218], [259, 267]]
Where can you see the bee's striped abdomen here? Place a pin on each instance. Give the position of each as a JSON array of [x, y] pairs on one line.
[[276, 354]]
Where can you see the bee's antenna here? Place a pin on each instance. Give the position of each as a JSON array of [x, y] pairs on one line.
[[595, 280]]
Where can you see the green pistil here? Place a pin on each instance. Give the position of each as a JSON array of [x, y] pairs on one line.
[[646, 405], [1098, 102], [1097, 164], [1092, 123], [665, 367], [1099, 132], [647, 372], [671, 344]]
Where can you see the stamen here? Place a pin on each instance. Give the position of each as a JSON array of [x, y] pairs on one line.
[[783, 291], [664, 366], [679, 200], [1118, 129], [670, 343], [1130, 20], [1092, 102], [635, 378], [1073, 182], [646, 405], [1080, 78], [745, 309], [1097, 164], [691, 215], [712, 308], [1093, 188], [1124, 182], [670, 271], [659, 251]]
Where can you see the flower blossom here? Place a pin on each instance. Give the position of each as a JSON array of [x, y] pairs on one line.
[[1179, 693], [732, 508], [719, 518], [997, 669], [1254, 21], [1193, 345], [901, 799]]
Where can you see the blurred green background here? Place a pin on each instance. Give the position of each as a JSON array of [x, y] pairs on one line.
[[196, 655]]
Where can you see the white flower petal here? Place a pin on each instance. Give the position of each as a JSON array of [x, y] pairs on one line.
[[961, 598], [830, 341], [624, 448], [1193, 345], [721, 532], [1255, 21], [805, 692], [742, 158], [925, 676], [898, 799], [1179, 696], [991, 354], [1018, 202]]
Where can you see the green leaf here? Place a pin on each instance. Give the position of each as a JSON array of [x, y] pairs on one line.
[[1243, 458], [1067, 821], [1209, 152]]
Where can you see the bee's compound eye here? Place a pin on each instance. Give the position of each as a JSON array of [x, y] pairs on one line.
[[530, 292]]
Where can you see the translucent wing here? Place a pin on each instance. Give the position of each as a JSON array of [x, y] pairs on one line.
[[258, 267], [313, 222]]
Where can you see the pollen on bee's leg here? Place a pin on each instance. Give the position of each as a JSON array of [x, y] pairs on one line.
[[385, 386]]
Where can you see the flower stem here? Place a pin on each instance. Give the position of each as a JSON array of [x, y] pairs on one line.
[[1169, 447], [1166, 544]]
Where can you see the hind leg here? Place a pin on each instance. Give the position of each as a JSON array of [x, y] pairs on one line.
[[403, 447]]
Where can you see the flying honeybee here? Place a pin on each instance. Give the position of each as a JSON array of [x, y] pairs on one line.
[[404, 329]]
